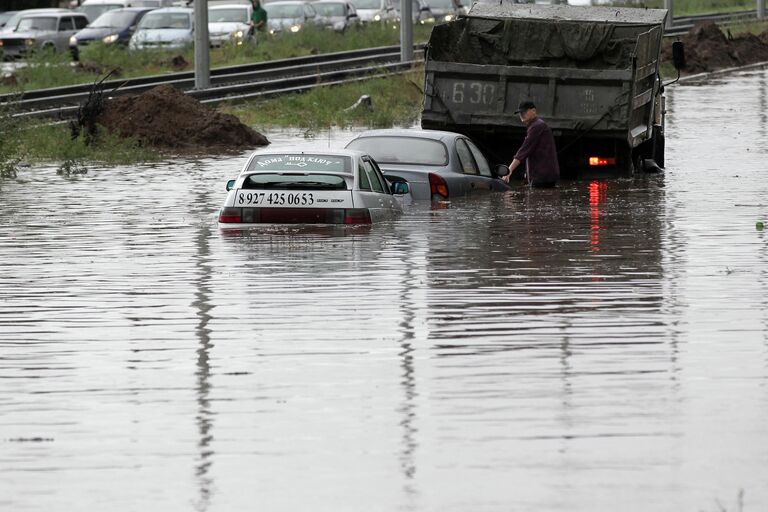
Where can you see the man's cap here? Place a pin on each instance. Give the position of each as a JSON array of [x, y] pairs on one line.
[[525, 105]]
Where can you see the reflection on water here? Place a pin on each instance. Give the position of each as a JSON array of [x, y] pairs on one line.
[[604, 342]]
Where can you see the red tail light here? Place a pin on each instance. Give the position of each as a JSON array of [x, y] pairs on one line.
[[438, 188], [357, 216], [598, 161], [231, 215]]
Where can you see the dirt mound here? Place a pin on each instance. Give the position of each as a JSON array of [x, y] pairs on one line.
[[707, 48], [167, 118]]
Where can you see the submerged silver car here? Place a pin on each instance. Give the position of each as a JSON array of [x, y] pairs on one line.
[[437, 165], [293, 187]]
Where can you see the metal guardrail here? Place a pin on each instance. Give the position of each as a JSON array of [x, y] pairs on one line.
[[278, 78]]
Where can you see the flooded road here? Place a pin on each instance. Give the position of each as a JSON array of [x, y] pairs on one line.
[[597, 347]]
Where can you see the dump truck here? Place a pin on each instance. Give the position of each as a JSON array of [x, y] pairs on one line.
[[593, 73]]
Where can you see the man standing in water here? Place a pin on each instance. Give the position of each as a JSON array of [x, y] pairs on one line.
[[258, 17], [538, 150]]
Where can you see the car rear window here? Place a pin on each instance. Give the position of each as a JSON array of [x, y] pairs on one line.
[[301, 162], [402, 150], [294, 181]]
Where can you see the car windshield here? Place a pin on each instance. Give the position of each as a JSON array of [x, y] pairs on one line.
[[329, 9], [283, 10], [94, 11], [37, 24], [5, 16], [402, 150], [441, 4], [367, 4], [300, 163], [295, 181], [158, 20], [146, 3], [114, 19], [235, 15]]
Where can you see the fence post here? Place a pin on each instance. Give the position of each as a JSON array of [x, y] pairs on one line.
[[670, 12], [406, 31], [202, 55], [760, 9]]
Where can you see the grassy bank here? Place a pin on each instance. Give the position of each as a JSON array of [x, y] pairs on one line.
[[55, 70], [691, 7], [396, 100], [24, 142]]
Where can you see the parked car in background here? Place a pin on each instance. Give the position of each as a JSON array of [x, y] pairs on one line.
[[95, 8], [154, 4], [13, 21], [328, 187], [437, 165], [446, 10], [229, 23], [47, 31], [5, 16], [112, 27], [289, 15], [420, 12], [170, 27], [375, 10], [336, 14]]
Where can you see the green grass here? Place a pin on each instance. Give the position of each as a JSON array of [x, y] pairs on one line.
[[54, 69], [691, 7], [396, 101], [54, 143]]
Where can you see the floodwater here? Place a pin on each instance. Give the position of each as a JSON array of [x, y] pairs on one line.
[[603, 346]]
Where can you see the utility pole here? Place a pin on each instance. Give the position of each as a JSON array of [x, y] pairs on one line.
[[202, 55], [760, 9], [670, 12], [406, 31]]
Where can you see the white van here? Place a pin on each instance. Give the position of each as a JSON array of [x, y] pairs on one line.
[[95, 8]]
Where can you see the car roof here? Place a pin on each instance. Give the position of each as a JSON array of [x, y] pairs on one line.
[[416, 133], [59, 14], [288, 2], [132, 9], [330, 1], [288, 150], [186, 10], [227, 6]]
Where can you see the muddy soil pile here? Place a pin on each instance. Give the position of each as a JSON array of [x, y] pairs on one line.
[[167, 118], [707, 48]]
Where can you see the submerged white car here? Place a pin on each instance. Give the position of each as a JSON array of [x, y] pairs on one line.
[[171, 27], [293, 187]]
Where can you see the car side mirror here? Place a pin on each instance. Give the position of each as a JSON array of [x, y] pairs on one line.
[[352, 15], [400, 188], [501, 170], [231, 184], [678, 55]]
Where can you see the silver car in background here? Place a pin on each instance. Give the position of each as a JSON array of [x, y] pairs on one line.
[[47, 31], [336, 14], [295, 187], [229, 23], [289, 15], [170, 27], [437, 165], [375, 10]]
